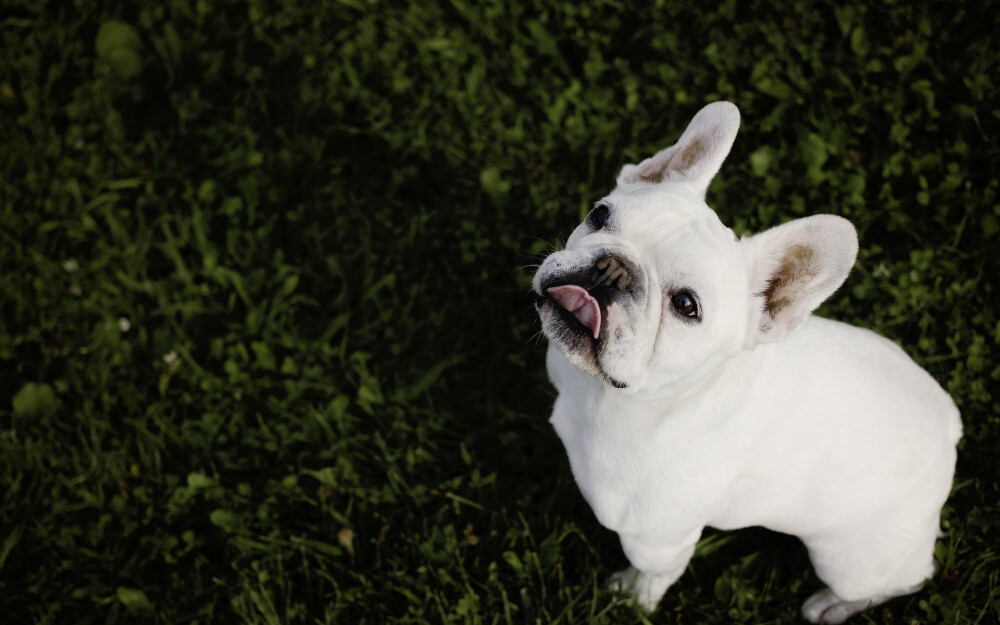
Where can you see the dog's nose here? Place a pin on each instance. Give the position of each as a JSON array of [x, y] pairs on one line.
[[611, 271]]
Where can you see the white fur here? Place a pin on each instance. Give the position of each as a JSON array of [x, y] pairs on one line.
[[759, 414]]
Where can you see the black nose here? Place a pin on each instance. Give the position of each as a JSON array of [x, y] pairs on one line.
[[611, 271]]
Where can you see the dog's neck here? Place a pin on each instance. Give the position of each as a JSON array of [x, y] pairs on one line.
[[714, 395]]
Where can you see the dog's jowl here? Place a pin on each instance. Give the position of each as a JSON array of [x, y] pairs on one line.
[[696, 388]]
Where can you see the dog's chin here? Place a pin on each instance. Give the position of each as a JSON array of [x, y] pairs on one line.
[[575, 340]]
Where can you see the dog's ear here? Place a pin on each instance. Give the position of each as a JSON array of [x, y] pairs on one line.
[[697, 155], [795, 267]]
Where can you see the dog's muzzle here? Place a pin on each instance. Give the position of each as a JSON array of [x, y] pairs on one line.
[[585, 295]]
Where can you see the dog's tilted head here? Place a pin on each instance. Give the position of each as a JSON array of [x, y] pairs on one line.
[[653, 291]]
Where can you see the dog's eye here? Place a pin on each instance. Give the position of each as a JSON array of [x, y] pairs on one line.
[[599, 216], [685, 304]]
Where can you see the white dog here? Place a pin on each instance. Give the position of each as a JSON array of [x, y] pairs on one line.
[[696, 389]]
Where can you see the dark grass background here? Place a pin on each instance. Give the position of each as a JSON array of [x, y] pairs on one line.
[[267, 352]]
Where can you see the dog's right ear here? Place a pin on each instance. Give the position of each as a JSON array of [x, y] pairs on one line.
[[697, 155]]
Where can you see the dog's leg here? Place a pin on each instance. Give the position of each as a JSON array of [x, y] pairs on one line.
[[870, 564], [657, 561]]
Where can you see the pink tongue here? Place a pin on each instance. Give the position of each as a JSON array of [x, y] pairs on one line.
[[576, 300]]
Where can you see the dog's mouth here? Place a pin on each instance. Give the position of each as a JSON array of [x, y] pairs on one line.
[[574, 307], [581, 301], [583, 314], [581, 309]]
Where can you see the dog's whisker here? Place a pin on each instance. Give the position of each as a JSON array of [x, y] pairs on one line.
[[525, 288], [538, 336]]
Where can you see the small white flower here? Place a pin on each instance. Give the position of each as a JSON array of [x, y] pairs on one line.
[[124, 324], [71, 265], [170, 358]]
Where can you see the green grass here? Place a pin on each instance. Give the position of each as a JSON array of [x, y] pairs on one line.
[[267, 352]]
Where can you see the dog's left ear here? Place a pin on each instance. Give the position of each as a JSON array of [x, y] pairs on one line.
[[795, 267], [697, 155]]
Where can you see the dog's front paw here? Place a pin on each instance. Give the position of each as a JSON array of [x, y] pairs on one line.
[[647, 589], [623, 580]]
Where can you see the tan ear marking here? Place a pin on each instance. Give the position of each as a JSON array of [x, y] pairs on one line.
[[692, 153], [655, 176], [793, 274]]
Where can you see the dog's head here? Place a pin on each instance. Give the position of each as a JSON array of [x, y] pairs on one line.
[[653, 291]]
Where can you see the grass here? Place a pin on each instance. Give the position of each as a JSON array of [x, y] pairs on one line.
[[266, 349]]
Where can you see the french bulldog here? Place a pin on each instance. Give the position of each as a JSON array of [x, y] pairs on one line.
[[696, 389]]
